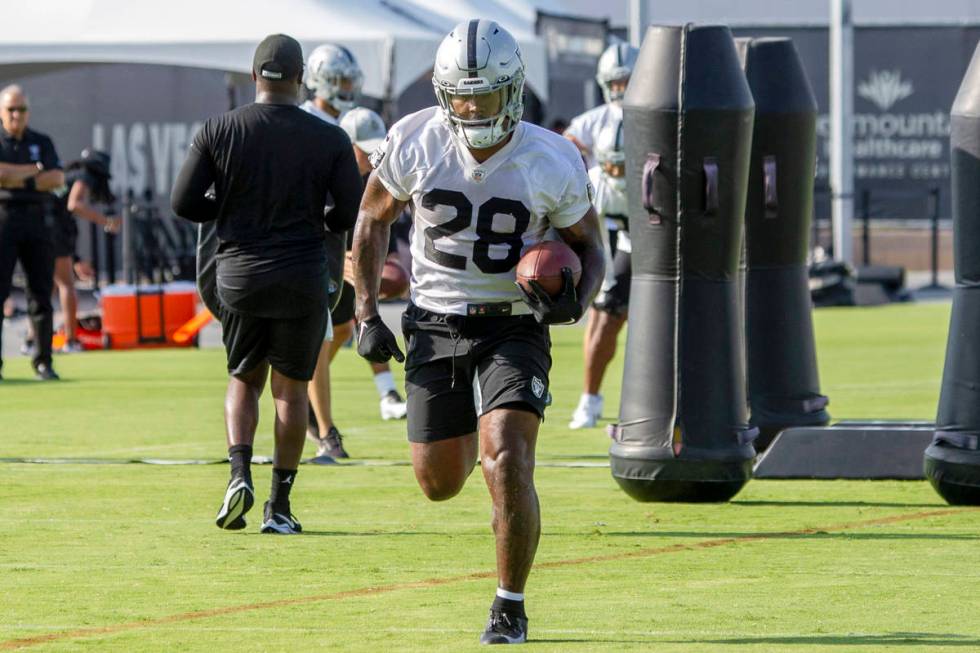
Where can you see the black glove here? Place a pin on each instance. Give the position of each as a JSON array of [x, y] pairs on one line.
[[563, 309], [376, 342]]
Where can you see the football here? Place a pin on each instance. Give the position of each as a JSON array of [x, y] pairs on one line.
[[394, 280], [543, 263]]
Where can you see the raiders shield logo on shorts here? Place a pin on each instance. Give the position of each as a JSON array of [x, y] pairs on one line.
[[537, 387]]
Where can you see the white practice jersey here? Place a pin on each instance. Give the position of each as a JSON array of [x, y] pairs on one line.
[[473, 221], [310, 107], [586, 126], [611, 205]]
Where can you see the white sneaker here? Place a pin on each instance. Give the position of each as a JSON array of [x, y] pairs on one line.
[[71, 347], [393, 406], [588, 413]]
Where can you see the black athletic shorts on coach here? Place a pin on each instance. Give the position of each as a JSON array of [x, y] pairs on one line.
[[458, 367]]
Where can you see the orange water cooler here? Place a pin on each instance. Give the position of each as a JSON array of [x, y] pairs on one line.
[[146, 316]]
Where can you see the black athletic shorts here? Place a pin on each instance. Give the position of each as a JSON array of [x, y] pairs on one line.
[[510, 357], [64, 233], [616, 300], [344, 312], [291, 345]]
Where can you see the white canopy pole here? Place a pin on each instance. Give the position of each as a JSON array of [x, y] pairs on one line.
[[639, 19], [842, 128]]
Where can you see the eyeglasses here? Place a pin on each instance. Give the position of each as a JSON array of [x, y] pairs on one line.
[[23, 109]]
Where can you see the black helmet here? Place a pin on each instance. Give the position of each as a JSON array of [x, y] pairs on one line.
[[97, 162]]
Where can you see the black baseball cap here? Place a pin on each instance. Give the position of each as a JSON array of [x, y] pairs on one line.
[[278, 58]]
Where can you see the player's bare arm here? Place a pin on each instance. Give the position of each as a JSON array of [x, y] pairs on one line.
[[379, 209], [585, 239]]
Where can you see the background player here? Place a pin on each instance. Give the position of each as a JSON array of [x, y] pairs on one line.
[[334, 77], [613, 74], [608, 313], [485, 186]]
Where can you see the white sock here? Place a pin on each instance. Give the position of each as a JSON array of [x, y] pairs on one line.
[[510, 596], [587, 400], [385, 383]]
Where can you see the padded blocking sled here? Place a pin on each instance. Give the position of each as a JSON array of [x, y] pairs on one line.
[[850, 450], [783, 385], [952, 461], [683, 433]]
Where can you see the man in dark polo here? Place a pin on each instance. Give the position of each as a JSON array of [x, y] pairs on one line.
[[272, 166], [29, 170]]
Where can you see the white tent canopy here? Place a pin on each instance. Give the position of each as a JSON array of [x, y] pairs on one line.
[[393, 47], [444, 15], [393, 51]]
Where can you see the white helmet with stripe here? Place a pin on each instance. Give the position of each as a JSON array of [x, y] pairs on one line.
[[480, 59], [333, 75], [615, 64]]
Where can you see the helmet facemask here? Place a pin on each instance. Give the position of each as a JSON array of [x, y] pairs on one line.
[[619, 78], [498, 109], [341, 90]]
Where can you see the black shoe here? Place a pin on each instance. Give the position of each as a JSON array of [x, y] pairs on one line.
[[282, 522], [504, 628], [332, 444], [44, 372], [239, 498]]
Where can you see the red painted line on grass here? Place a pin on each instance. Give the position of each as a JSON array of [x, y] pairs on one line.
[[435, 582]]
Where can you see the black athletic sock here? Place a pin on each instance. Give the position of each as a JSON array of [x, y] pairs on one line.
[[509, 606], [241, 461], [282, 483]]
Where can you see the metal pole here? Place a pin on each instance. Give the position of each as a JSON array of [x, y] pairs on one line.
[[129, 272], [639, 19], [110, 257], [841, 127]]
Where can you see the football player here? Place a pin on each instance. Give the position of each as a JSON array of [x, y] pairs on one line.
[[613, 74], [485, 187], [608, 313], [334, 77]]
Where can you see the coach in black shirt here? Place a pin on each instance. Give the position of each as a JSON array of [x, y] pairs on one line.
[[272, 167], [29, 169]]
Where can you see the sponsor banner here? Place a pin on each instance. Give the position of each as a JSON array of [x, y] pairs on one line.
[[905, 79], [574, 46]]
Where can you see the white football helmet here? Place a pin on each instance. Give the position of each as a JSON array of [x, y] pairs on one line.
[[615, 63], [333, 75], [480, 58], [609, 149]]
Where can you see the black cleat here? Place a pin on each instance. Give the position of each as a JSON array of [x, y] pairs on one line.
[[504, 628], [281, 522], [239, 498], [44, 372]]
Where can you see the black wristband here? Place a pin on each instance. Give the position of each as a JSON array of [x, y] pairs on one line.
[[30, 184]]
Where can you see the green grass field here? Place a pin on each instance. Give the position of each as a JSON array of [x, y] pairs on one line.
[[125, 557]]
